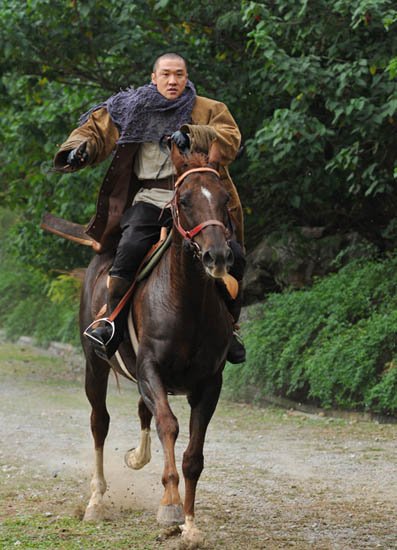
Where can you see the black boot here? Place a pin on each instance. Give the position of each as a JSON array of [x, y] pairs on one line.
[[236, 353], [106, 335]]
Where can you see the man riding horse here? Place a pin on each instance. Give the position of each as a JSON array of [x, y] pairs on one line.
[[136, 126]]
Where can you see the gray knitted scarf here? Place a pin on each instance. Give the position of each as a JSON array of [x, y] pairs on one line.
[[143, 114]]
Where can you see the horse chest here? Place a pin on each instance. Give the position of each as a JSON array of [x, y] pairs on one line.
[[192, 357]]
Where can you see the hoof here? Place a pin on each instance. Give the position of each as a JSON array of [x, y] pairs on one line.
[[171, 514], [191, 536], [96, 512], [136, 461]]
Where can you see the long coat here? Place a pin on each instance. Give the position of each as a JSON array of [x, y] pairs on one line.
[[210, 120]]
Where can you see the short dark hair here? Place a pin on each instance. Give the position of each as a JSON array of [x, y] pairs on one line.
[[170, 55]]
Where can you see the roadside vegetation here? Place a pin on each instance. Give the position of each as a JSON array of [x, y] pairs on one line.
[[333, 345], [33, 302]]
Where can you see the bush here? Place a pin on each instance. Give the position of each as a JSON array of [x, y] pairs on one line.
[[34, 305], [333, 345]]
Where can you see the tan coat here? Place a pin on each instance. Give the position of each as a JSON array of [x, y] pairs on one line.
[[210, 120]]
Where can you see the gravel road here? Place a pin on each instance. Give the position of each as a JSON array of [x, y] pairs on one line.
[[273, 479]]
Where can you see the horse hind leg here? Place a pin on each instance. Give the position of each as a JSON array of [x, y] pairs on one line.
[[96, 388], [138, 457]]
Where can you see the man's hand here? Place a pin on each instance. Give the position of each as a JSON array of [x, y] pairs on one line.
[[182, 141], [78, 157]]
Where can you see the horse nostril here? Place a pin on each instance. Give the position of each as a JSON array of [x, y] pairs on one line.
[[208, 260], [218, 258], [229, 257]]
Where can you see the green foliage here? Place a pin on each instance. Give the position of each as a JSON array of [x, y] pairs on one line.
[[33, 304], [326, 144], [59, 58], [333, 345], [30, 186], [312, 88]]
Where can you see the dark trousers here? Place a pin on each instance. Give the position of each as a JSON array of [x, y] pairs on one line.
[[140, 226]]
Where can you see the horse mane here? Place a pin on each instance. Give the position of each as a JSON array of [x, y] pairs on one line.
[[196, 160]]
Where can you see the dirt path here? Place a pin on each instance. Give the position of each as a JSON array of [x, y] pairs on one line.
[[272, 479]]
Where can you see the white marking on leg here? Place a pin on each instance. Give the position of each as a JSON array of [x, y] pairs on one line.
[[139, 457], [207, 194], [190, 533], [95, 509]]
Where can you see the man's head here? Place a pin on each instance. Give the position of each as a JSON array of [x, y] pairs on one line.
[[170, 75]]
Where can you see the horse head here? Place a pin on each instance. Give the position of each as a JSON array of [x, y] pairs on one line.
[[200, 209]]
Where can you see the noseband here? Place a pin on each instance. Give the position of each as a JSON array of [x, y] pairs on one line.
[[191, 233]]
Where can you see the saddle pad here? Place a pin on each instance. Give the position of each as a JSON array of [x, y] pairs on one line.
[[134, 341], [154, 255]]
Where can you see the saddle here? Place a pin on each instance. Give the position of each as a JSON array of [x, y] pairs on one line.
[[76, 233], [149, 262]]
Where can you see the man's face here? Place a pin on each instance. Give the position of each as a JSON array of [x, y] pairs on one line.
[[170, 77]]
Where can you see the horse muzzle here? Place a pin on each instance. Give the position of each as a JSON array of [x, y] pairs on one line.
[[217, 261]]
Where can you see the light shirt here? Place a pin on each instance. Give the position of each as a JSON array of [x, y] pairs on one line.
[[152, 162], [157, 197]]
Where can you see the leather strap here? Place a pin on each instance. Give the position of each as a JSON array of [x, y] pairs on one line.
[[193, 232], [192, 171]]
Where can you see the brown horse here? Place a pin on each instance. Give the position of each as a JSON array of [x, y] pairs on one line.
[[183, 328]]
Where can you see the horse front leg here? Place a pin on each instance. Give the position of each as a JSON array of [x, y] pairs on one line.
[[138, 457], [96, 381], [155, 397], [203, 403]]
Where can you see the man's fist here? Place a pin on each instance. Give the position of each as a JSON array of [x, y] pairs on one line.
[[78, 157], [182, 141]]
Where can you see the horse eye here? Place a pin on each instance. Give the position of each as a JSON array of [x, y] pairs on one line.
[[184, 202]]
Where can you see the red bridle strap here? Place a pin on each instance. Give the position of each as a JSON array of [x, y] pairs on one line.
[[192, 171], [193, 232]]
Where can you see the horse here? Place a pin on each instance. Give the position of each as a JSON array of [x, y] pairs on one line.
[[183, 328]]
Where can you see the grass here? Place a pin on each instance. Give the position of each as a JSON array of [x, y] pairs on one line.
[[69, 533]]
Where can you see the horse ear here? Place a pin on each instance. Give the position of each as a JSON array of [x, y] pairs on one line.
[[215, 155], [178, 160]]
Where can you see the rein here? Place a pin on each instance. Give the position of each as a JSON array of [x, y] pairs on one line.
[[191, 233]]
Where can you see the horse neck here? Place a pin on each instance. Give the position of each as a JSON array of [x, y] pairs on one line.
[[187, 274]]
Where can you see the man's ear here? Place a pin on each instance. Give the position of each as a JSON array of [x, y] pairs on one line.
[[178, 160], [214, 155]]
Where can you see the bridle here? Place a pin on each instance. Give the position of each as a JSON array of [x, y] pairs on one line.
[[191, 233]]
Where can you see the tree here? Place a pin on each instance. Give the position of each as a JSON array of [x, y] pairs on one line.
[[60, 59], [311, 84], [326, 145]]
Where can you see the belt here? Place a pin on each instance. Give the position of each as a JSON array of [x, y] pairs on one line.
[[164, 183]]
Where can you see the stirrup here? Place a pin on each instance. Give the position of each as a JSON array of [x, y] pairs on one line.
[[97, 342], [238, 336], [236, 353]]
